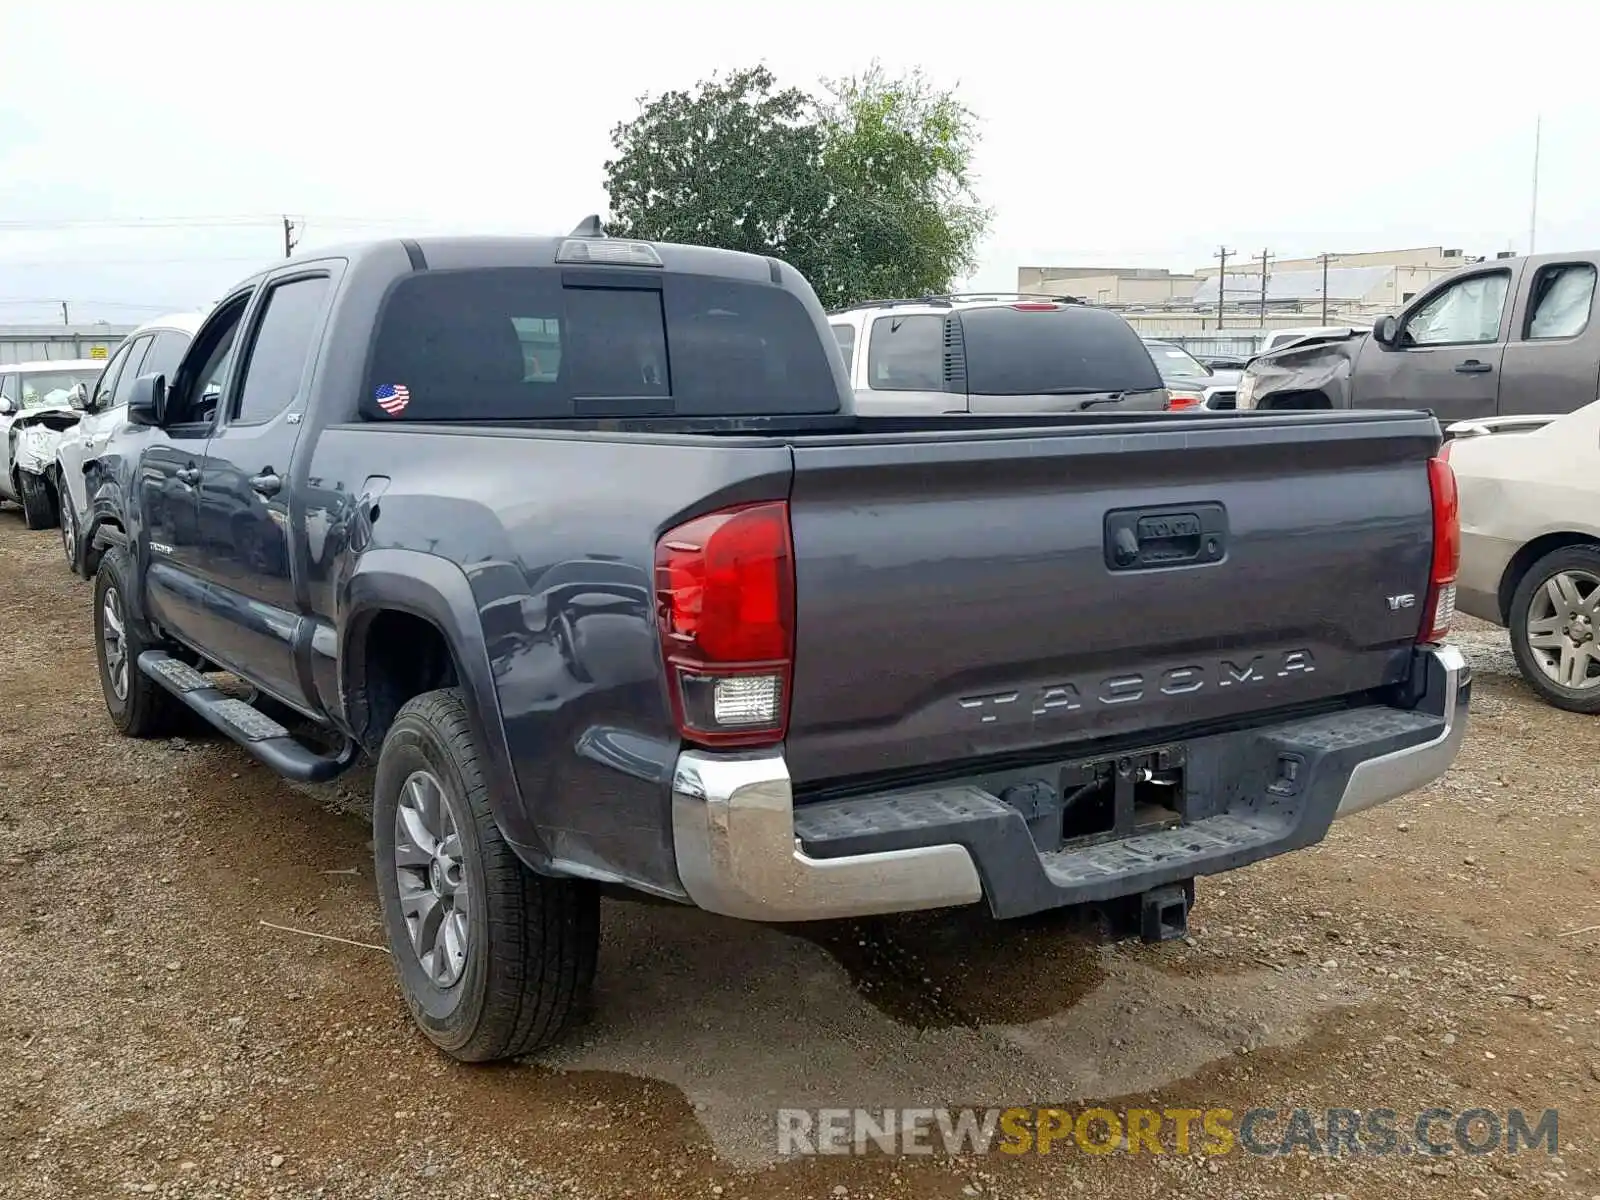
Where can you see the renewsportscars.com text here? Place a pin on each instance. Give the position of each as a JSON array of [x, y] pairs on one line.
[[1209, 1131]]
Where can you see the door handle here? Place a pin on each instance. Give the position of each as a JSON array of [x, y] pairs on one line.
[[267, 483], [189, 475], [1473, 367]]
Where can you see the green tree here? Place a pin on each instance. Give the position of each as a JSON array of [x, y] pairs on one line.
[[867, 191], [905, 219], [735, 164]]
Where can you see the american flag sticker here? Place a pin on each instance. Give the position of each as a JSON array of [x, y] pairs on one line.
[[392, 398]]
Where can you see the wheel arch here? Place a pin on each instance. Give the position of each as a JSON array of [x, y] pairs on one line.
[[395, 594], [1522, 562]]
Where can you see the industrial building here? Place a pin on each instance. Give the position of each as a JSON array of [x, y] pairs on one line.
[[31, 343], [1345, 289]]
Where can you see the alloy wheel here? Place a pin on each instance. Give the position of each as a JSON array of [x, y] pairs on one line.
[[431, 874], [113, 637], [1562, 627]]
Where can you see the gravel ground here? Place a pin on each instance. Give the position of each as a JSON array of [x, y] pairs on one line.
[[158, 1039]]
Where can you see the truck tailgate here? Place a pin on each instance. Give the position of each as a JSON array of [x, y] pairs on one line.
[[1008, 591]]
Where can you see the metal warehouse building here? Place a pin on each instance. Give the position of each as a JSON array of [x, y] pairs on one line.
[[30, 343]]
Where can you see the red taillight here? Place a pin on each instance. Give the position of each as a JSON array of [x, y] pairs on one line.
[[1440, 610], [725, 607], [1182, 400], [1035, 306]]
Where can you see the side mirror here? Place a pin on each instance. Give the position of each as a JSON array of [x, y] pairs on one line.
[[147, 403], [1387, 331], [7, 406], [79, 398]]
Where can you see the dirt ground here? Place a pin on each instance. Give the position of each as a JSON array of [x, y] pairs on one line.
[[157, 1038]]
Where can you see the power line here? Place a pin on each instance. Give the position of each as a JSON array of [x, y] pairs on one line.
[[53, 301], [242, 221], [163, 261]]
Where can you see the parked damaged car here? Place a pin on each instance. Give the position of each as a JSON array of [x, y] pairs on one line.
[[152, 349], [39, 401], [1503, 338]]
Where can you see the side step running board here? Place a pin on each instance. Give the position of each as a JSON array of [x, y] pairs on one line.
[[264, 739]]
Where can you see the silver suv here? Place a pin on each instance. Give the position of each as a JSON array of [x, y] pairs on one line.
[[994, 353]]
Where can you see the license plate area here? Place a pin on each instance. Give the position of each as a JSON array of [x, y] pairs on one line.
[[1104, 799]]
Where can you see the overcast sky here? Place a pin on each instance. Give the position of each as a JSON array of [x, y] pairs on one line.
[[1141, 133]]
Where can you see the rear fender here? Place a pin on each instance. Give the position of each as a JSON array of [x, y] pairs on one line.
[[437, 591]]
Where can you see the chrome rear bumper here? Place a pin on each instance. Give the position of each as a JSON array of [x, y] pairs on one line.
[[734, 828]]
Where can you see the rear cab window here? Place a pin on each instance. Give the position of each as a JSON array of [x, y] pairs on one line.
[[1029, 351], [540, 343]]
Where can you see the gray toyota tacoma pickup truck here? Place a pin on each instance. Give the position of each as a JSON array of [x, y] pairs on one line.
[[582, 541]]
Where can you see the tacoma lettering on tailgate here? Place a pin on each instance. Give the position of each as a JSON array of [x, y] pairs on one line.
[[1130, 687]]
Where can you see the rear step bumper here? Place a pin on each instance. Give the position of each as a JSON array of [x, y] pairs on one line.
[[743, 848]]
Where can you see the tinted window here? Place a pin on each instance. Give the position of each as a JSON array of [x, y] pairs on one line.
[[1560, 300], [278, 354], [165, 355], [1465, 313], [132, 368], [616, 342], [906, 354], [845, 335], [1024, 352], [199, 378], [525, 343], [100, 397]]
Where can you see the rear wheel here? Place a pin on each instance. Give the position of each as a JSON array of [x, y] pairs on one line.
[[494, 961], [1555, 623], [38, 501]]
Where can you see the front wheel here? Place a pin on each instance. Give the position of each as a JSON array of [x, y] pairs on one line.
[[1555, 623], [69, 532], [494, 961], [139, 706], [38, 501]]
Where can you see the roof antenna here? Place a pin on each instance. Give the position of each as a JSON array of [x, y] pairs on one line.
[[589, 227]]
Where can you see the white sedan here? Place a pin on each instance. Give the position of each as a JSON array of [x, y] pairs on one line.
[[1530, 544], [37, 401]]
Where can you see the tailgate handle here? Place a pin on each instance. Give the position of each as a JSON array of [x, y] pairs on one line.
[[1141, 539]]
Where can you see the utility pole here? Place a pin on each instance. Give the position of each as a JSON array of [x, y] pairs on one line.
[[1266, 257], [66, 317], [1222, 280], [1325, 257], [289, 238], [1533, 207]]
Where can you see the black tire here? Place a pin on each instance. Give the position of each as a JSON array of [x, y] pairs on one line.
[[144, 709], [38, 501], [531, 940], [1569, 558], [71, 539]]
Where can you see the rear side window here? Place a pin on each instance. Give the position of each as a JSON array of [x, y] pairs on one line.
[[845, 335], [1067, 350], [540, 343], [165, 353], [132, 368], [1560, 301], [906, 354], [277, 357]]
